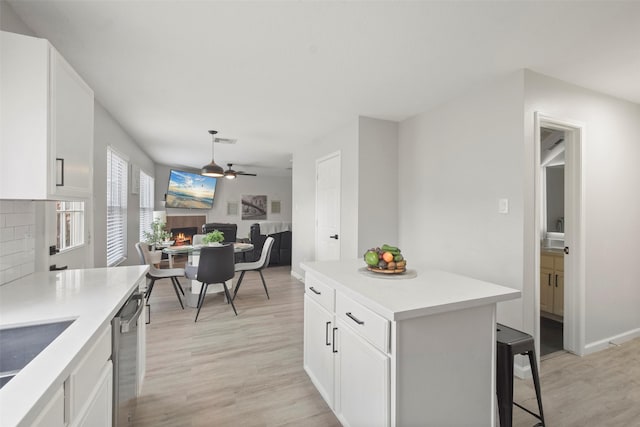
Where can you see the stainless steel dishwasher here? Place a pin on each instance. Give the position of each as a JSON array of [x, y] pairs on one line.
[[124, 333]]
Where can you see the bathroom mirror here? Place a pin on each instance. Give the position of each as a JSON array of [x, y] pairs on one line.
[[552, 151], [555, 198]]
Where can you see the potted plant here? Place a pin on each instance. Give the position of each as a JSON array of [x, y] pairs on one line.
[[215, 238], [157, 235]]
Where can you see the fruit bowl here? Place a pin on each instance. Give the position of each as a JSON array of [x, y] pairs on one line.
[[385, 259]]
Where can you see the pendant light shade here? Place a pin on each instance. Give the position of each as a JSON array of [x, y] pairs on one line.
[[212, 169]]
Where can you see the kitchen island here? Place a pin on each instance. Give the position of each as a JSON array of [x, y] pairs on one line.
[[61, 371], [387, 351]]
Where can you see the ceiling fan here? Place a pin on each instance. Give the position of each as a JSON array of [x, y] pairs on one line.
[[231, 174]]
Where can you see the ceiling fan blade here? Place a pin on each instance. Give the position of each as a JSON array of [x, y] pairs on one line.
[[246, 174]]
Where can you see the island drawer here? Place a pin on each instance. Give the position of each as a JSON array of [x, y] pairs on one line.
[[363, 321], [319, 292]]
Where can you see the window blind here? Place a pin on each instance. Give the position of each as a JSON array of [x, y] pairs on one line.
[[117, 168], [146, 203]]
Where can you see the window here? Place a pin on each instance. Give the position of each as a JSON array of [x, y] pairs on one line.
[[116, 207], [146, 203], [70, 224]]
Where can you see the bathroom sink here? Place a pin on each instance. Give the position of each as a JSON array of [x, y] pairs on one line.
[[19, 345]]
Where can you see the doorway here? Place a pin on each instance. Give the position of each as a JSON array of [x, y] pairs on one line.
[[328, 184], [559, 302], [552, 186]]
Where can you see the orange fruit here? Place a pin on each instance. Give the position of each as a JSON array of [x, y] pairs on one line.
[[387, 256]]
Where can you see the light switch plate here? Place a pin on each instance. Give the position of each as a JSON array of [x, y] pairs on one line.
[[503, 206]]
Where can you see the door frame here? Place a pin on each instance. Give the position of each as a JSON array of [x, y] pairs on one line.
[[319, 160], [574, 268]]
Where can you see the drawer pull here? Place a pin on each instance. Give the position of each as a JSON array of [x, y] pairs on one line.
[[355, 319], [312, 289], [549, 275], [556, 280], [326, 334], [333, 347]]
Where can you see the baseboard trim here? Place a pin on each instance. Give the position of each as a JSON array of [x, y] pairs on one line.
[[297, 276], [614, 340]]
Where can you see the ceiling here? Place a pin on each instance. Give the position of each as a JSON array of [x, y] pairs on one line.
[[277, 75]]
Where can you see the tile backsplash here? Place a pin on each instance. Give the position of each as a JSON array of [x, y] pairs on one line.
[[17, 239]]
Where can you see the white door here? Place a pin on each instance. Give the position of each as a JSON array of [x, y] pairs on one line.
[[328, 208]]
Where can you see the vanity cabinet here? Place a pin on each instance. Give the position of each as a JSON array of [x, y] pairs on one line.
[[552, 283], [46, 149]]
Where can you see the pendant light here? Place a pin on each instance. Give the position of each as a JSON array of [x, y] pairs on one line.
[[212, 169], [230, 173]]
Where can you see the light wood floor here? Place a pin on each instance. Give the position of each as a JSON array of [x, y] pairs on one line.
[[247, 370]]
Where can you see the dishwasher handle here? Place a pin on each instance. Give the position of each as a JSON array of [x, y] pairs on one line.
[[125, 324]]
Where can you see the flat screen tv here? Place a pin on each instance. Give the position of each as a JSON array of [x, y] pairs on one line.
[[190, 190]]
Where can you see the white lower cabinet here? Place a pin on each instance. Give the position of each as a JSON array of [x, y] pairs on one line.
[[377, 371], [53, 413], [91, 385], [362, 381], [99, 409], [318, 347], [350, 372]]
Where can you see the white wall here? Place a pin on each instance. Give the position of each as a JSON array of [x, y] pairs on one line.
[[455, 163], [108, 132], [611, 155], [304, 194], [274, 187], [369, 188], [377, 183]]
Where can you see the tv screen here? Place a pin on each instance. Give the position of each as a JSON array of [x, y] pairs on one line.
[[190, 190]]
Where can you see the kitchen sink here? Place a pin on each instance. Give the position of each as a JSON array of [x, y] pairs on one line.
[[19, 345]]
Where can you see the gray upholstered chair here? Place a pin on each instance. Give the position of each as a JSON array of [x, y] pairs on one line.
[[157, 273], [243, 267], [215, 266]]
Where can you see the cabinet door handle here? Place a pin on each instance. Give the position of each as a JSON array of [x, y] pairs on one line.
[[326, 334], [333, 347], [312, 289], [556, 280], [354, 318], [59, 172], [549, 278]]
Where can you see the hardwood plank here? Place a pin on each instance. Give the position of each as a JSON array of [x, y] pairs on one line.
[[247, 370], [226, 370]]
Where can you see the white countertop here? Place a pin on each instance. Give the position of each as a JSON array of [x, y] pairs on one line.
[[91, 296], [431, 292]]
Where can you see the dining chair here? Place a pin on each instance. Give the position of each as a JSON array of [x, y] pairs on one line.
[[258, 266], [158, 273], [215, 266]]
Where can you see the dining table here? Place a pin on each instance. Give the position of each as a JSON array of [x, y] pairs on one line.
[[191, 250]]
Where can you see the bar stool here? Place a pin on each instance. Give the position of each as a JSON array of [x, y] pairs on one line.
[[509, 343]]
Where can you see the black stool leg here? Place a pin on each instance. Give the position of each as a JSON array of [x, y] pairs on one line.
[[536, 382], [504, 384]]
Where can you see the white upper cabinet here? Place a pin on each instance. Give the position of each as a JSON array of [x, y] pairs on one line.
[[46, 123]]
